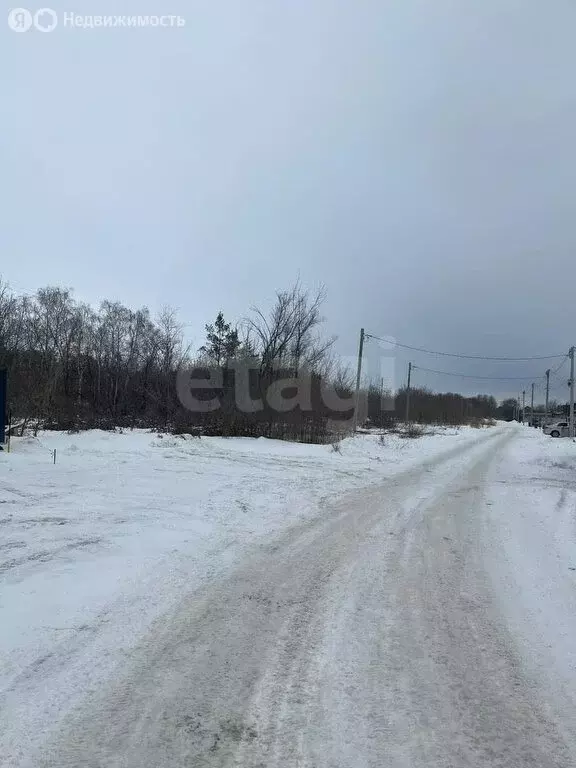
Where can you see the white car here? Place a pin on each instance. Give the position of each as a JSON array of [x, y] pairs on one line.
[[558, 429]]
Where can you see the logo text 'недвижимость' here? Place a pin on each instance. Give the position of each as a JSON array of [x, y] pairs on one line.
[[46, 20]]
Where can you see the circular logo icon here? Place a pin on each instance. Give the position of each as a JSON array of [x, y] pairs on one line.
[[45, 20], [19, 19]]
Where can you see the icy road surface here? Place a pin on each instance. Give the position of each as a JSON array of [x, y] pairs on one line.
[[401, 607]]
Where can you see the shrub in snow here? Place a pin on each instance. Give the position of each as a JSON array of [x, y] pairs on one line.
[[413, 431]]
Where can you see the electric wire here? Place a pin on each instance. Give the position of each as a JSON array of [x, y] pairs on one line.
[[454, 354], [470, 376]]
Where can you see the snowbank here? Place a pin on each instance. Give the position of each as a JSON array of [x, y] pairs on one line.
[[532, 542]]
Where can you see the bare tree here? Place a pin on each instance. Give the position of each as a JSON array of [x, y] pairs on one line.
[[172, 355], [288, 336]]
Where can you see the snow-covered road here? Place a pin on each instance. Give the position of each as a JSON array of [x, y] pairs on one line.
[[418, 610]]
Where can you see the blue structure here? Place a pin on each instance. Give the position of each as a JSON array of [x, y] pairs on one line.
[[3, 396]]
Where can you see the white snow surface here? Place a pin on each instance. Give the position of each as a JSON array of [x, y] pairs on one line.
[[95, 548], [531, 555]]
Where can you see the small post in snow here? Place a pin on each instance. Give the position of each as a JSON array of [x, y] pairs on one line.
[[54, 454]]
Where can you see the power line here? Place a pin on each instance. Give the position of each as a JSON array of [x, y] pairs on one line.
[[562, 364], [485, 378], [453, 354]]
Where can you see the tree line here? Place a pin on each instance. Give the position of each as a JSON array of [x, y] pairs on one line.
[[72, 366]]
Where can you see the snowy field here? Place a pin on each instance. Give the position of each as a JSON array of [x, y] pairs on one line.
[[96, 547], [120, 513]]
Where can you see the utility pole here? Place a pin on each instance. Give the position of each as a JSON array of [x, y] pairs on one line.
[[523, 404], [571, 392], [408, 394], [532, 407], [547, 395], [358, 376]]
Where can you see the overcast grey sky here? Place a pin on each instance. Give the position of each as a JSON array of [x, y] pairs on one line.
[[416, 156]]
